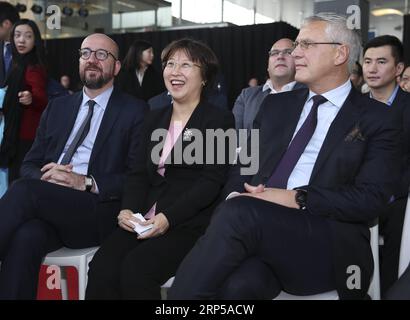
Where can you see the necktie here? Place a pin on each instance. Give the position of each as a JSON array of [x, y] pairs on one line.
[[80, 135], [280, 176], [7, 58]]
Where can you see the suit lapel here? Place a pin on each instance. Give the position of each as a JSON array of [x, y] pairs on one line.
[[346, 118], [67, 126], [292, 109], [110, 116]]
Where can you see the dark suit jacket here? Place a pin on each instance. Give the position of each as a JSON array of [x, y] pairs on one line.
[[187, 193], [3, 74], [247, 105], [114, 149], [352, 179]]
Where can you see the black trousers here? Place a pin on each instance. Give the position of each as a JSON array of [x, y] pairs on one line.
[[391, 226], [253, 249], [38, 217], [128, 268]]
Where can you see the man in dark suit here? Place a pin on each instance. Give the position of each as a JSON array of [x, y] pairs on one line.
[[73, 174], [281, 69], [8, 16], [328, 162], [382, 64]]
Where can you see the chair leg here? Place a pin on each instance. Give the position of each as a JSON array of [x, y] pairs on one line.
[[63, 284], [82, 277]]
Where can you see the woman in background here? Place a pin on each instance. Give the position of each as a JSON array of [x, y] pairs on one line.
[[137, 76], [26, 95]]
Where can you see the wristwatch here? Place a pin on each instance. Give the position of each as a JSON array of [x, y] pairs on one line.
[[300, 198], [88, 183]]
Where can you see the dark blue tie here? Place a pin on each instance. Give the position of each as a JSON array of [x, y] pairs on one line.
[[7, 58], [280, 176], [80, 135]]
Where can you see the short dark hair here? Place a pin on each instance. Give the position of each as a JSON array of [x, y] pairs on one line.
[[199, 53], [358, 69], [387, 40], [8, 12]]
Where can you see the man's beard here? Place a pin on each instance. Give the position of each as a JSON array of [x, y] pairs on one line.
[[95, 82]]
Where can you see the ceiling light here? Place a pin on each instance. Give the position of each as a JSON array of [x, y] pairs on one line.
[[37, 9], [386, 11], [68, 11], [83, 12], [21, 7], [126, 4]]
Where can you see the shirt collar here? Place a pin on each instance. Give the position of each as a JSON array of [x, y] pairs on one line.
[[268, 86], [101, 100], [336, 96], [393, 96], [389, 101]]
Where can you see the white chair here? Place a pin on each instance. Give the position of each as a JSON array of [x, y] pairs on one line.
[[405, 241], [374, 289], [78, 258]]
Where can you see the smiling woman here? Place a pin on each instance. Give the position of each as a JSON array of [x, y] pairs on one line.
[[26, 96], [175, 197]]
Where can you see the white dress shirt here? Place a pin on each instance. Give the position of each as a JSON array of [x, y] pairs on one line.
[[327, 112], [81, 157]]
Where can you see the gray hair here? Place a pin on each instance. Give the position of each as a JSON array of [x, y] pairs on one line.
[[338, 31]]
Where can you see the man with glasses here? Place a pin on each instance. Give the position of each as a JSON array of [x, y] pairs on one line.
[[281, 70], [328, 165], [74, 173]]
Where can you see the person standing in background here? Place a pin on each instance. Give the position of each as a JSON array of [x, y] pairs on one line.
[[138, 77]]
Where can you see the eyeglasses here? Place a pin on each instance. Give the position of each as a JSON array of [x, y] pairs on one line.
[[184, 66], [305, 44], [100, 54], [284, 52]]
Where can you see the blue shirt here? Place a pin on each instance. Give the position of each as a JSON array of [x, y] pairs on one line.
[[81, 157], [327, 112], [389, 101]]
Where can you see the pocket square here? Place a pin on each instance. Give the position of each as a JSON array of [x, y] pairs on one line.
[[354, 135]]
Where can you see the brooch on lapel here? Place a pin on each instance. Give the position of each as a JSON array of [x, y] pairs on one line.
[[187, 135], [354, 135]]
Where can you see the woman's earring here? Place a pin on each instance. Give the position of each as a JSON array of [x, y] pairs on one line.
[[203, 83]]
